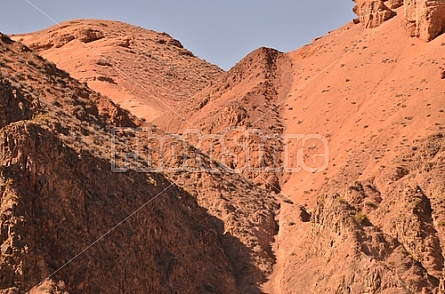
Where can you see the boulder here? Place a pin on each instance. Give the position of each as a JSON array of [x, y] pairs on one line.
[[89, 35]]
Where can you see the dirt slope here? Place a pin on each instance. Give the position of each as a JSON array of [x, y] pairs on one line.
[[240, 108], [377, 97], [144, 71]]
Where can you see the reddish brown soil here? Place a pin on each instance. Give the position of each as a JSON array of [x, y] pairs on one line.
[[144, 71], [371, 222]]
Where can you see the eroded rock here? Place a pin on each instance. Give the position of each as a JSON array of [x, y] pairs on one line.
[[394, 3], [372, 13], [424, 19], [90, 35]]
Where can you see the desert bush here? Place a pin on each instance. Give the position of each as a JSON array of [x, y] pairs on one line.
[[362, 219]]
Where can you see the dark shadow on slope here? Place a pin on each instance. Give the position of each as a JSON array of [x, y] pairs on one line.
[[56, 202]]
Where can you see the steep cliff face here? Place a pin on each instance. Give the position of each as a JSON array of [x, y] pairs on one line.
[[424, 19]]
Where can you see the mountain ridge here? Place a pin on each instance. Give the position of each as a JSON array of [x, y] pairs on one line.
[[354, 205]]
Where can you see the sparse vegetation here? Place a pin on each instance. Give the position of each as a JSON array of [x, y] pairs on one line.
[[43, 117], [152, 181], [362, 219]]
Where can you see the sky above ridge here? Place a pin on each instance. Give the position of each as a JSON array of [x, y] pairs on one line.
[[221, 32]]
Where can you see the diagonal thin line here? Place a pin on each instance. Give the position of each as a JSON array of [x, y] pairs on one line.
[[141, 207], [42, 12], [117, 69], [106, 234]]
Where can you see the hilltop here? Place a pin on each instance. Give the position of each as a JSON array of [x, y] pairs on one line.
[[125, 63]]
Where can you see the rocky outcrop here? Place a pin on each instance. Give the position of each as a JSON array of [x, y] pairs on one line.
[[424, 19], [394, 3], [58, 39], [372, 13], [90, 35], [340, 250]]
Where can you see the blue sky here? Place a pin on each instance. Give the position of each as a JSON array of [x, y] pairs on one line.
[[221, 32]]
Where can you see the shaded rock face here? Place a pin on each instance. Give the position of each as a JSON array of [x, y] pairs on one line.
[[15, 106], [53, 205], [424, 19]]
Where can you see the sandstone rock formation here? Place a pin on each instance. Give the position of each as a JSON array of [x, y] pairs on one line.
[[394, 3], [88, 35], [424, 19], [372, 13]]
